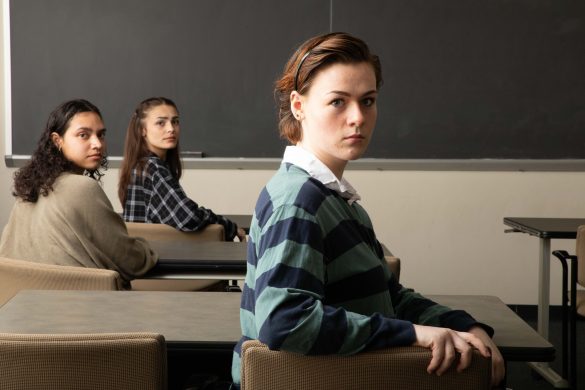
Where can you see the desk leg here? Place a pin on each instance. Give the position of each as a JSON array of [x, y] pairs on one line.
[[543, 368], [544, 287]]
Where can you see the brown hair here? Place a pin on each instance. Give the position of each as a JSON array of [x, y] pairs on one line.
[[136, 148], [310, 58], [47, 162]]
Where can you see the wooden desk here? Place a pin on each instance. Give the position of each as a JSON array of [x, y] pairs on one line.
[[545, 229], [210, 320], [199, 260]]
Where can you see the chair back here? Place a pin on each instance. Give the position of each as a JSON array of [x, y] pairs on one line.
[[580, 294], [16, 275], [392, 368], [162, 232], [581, 255], [393, 263], [124, 361]]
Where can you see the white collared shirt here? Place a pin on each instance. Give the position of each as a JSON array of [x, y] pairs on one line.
[[316, 169]]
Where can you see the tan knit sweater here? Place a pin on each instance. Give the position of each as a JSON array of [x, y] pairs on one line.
[[75, 224]]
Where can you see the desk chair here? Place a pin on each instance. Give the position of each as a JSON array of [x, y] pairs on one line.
[[391, 368], [394, 265], [162, 232], [124, 361], [16, 275], [577, 301]]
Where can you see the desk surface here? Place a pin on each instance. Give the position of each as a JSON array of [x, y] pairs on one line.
[[210, 320], [546, 227]]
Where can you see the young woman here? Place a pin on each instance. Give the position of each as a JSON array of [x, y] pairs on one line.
[[316, 281], [149, 188], [62, 215]]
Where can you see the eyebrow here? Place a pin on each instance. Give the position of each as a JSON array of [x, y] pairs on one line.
[[373, 91], [89, 129], [166, 117]]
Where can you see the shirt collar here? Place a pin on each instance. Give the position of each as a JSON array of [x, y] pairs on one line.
[[316, 169]]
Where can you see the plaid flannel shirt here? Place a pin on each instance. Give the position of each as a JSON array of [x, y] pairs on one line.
[[157, 197]]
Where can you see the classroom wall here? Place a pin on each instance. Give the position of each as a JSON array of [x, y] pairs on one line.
[[446, 226]]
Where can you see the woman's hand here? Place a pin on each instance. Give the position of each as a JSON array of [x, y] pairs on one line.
[[498, 365], [445, 343]]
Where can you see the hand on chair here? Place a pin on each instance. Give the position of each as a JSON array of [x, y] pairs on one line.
[[445, 343]]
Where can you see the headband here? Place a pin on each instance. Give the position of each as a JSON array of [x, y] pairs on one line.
[[299, 68]]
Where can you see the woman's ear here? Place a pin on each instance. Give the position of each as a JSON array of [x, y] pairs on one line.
[[296, 105], [57, 141]]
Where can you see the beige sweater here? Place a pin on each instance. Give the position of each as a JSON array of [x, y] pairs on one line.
[[75, 225]]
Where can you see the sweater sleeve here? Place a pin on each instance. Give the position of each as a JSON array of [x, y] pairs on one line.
[[170, 205], [290, 312], [102, 232]]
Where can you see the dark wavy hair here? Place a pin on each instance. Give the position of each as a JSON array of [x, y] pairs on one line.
[[136, 148], [312, 56], [47, 162]]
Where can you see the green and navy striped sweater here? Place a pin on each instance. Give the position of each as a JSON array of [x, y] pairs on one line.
[[316, 280]]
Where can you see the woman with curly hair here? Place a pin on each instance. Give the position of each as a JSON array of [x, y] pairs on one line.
[[62, 215]]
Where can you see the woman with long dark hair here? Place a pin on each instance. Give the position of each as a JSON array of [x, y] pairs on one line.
[[149, 188]]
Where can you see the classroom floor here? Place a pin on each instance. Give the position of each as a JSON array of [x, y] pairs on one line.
[[520, 375]]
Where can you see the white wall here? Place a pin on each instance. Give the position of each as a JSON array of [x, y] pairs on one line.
[[446, 226]]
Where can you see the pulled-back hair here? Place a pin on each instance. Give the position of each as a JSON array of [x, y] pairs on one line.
[[47, 162], [136, 148], [311, 57]]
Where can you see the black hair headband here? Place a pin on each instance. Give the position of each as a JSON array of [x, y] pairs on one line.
[[299, 68]]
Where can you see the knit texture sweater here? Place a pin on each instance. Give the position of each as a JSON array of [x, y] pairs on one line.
[[75, 225], [317, 282]]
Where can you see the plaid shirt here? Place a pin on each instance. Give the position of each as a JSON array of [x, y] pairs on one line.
[[157, 197]]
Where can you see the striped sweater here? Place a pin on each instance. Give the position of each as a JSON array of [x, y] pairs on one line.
[[316, 280]]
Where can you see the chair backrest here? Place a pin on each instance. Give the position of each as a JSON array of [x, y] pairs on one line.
[[581, 255], [393, 263], [123, 361], [162, 232], [16, 275], [392, 368]]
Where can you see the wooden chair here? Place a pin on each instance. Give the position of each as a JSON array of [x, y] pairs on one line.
[[162, 232], [124, 361], [392, 368], [16, 275], [576, 299]]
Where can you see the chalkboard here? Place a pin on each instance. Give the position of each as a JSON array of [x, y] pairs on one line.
[[464, 79]]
